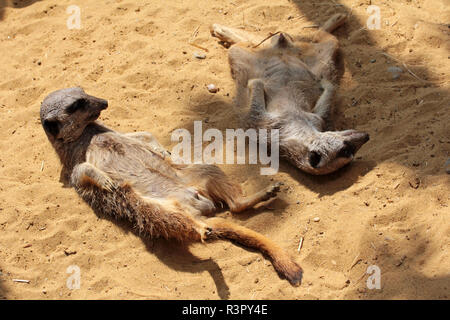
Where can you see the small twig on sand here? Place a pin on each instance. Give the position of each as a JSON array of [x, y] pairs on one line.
[[404, 65], [300, 244], [360, 278], [200, 47], [21, 280], [42, 166], [193, 36], [355, 262], [270, 36], [312, 26], [297, 17]]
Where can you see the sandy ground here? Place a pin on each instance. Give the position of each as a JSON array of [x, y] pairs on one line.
[[389, 208]]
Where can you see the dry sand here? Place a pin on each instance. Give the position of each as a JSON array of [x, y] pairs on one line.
[[389, 208]]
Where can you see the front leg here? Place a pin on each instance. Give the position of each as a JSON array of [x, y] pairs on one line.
[[232, 35], [85, 174], [324, 33], [239, 204], [322, 64], [323, 105], [257, 100]]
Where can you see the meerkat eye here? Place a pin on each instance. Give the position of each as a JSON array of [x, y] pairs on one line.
[[314, 158], [347, 151], [80, 104], [52, 127]]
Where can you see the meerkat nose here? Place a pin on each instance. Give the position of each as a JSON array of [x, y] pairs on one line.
[[103, 104], [98, 103], [363, 138], [366, 137]]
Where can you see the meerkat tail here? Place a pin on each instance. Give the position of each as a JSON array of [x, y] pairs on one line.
[[281, 261]]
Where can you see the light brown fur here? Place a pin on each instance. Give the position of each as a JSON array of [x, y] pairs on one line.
[[288, 85], [130, 176]]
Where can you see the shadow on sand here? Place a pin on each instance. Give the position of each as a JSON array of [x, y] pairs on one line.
[[3, 290], [14, 4], [402, 275]]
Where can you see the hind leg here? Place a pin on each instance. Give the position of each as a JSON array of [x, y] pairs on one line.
[[231, 193], [242, 203], [242, 62], [324, 33], [212, 183], [325, 48], [232, 35], [323, 105], [257, 100]]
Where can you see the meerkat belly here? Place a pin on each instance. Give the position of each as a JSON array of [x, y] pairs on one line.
[[132, 163], [292, 100], [283, 70], [289, 86]]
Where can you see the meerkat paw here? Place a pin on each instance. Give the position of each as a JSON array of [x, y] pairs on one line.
[[162, 152], [101, 181], [109, 185], [326, 84], [204, 231], [272, 191], [217, 31], [86, 174], [224, 34], [334, 22]]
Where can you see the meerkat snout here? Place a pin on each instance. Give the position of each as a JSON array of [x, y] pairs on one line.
[[354, 140], [329, 151]]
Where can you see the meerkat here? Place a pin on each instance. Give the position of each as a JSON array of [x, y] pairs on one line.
[[130, 176], [288, 85]]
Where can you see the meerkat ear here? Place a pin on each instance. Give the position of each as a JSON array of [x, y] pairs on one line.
[[52, 127], [281, 41]]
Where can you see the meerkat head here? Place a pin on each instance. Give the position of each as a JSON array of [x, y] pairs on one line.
[[66, 113], [326, 152]]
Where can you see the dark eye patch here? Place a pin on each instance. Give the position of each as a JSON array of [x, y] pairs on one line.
[[347, 151], [52, 127], [80, 104]]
